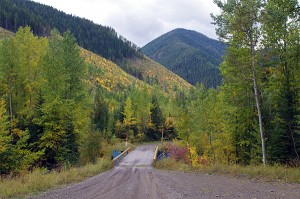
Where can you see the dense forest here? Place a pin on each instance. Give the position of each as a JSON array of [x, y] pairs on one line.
[[42, 19], [51, 116], [189, 54], [253, 117]]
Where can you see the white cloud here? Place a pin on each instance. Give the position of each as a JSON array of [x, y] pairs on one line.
[[141, 21]]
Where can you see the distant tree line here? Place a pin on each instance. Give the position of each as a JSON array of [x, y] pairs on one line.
[[42, 19]]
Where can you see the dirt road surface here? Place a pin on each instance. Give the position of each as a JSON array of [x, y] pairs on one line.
[[134, 178]]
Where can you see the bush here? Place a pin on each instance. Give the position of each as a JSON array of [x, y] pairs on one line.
[[92, 148], [178, 153]]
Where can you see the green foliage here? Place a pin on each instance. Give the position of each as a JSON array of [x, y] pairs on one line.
[[91, 149], [142, 108], [262, 55], [157, 120], [281, 34], [5, 137], [101, 112], [202, 126], [64, 109], [45, 107], [238, 24], [237, 92], [129, 119], [20, 78]]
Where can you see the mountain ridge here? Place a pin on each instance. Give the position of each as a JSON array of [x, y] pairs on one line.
[[37, 16], [42, 19], [189, 54], [112, 77]]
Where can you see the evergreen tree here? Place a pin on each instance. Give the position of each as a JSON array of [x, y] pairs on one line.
[[281, 33], [101, 112], [64, 111], [156, 119]]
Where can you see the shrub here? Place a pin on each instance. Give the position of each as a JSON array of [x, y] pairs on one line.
[[178, 153]]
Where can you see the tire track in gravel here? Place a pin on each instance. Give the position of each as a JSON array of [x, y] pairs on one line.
[[135, 178]]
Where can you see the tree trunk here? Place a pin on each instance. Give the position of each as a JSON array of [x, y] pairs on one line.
[[259, 119], [258, 104], [10, 105], [162, 137]]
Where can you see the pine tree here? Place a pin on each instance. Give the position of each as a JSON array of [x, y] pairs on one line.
[[281, 32], [64, 111], [157, 120], [101, 113]]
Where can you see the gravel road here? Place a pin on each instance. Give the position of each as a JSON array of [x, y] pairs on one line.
[[134, 178]]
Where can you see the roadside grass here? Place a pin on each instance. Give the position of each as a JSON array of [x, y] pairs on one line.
[[173, 165], [39, 180], [156, 143], [269, 173]]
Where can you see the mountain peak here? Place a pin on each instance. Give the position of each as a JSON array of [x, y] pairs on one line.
[[190, 54]]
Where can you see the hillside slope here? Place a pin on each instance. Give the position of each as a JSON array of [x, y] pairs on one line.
[[107, 74], [112, 78], [42, 19], [98, 39], [154, 73], [5, 33], [189, 54]]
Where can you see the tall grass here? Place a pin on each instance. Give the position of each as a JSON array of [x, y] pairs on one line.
[[269, 173], [38, 181], [173, 165]]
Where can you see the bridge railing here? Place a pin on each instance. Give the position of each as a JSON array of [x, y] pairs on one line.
[[118, 159], [155, 155]]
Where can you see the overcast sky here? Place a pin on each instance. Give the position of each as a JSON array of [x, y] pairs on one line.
[[141, 21]]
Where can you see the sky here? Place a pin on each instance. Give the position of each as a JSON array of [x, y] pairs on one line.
[[141, 21]]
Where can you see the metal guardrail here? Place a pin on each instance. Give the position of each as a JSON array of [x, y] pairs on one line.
[[155, 154], [118, 159]]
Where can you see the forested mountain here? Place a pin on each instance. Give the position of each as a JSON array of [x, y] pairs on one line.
[[189, 54], [42, 19], [100, 40]]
